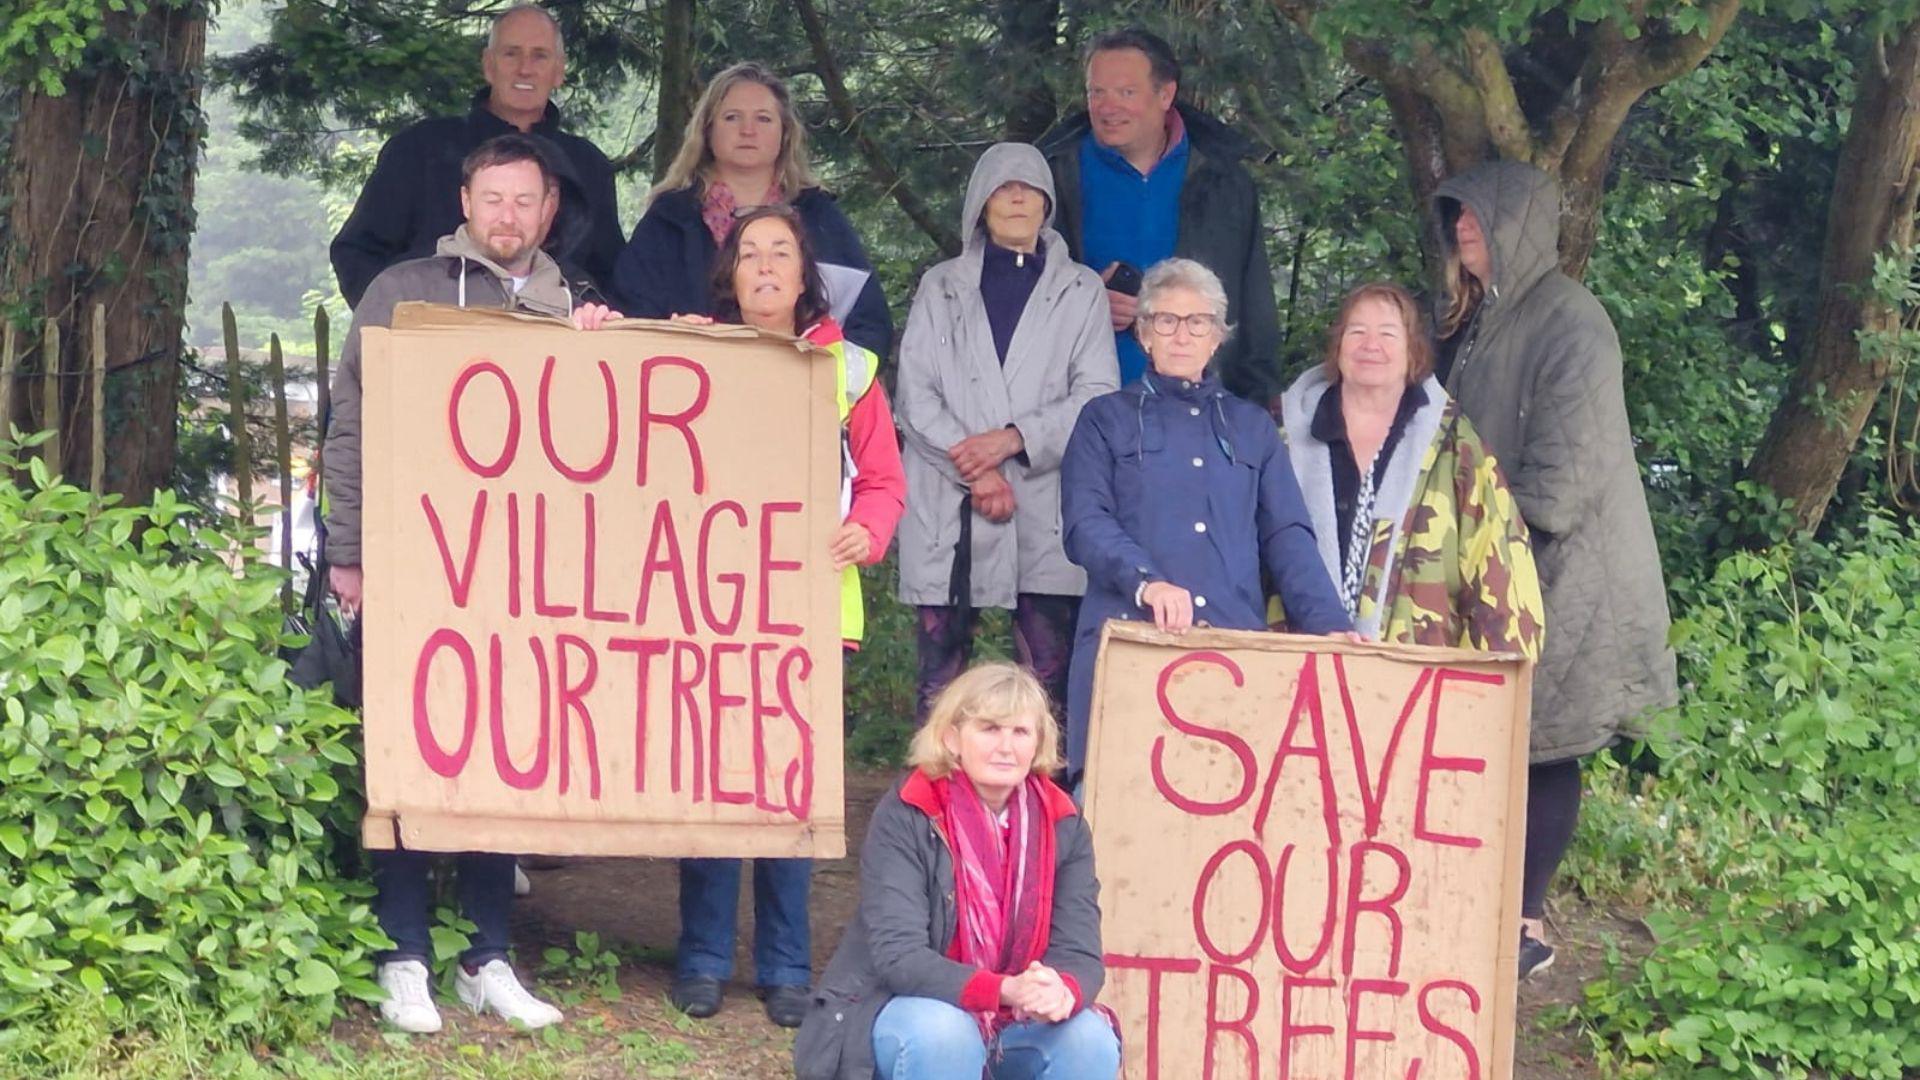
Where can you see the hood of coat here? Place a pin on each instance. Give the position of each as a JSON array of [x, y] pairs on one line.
[[546, 290], [1519, 210], [1003, 163]]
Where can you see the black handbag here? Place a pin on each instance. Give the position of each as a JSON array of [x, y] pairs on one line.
[[332, 652]]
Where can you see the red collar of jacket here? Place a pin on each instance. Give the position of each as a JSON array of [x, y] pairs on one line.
[[917, 792]]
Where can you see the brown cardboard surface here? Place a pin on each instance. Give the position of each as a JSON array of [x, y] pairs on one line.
[[1225, 778], [555, 618]]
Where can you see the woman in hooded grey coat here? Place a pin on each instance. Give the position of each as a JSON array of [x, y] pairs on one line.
[[989, 387], [1534, 361]]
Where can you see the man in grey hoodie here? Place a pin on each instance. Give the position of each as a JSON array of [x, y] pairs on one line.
[[510, 194]]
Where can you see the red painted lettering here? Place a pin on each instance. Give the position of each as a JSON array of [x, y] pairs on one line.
[[510, 774], [1234, 744], [663, 556], [1356, 990], [719, 702], [1430, 763], [440, 760], [1282, 892], [1451, 1034], [1373, 790], [1155, 967], [540, 604], [599, 468], [770, 565], [1201, 895], [1291, 1031], [509, 445], [592, 563], [686, 711], [681, 421], [573, 700], [735, 579], [460, 584], [644, 651], [1306, 702], [798, 784], [1241, 1026], [1381, 905]]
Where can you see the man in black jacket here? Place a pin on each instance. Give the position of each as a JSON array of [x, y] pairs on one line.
[[1140, 178], [412, 198]]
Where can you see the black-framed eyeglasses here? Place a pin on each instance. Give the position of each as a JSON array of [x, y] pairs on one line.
[[1199, 324]]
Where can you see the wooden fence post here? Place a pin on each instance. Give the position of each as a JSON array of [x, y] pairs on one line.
[[50, 452], [237, 413], [283, 457], [97, 460], [6, 380]]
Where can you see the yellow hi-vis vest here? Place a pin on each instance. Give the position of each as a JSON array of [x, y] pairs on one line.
[[854, 371]]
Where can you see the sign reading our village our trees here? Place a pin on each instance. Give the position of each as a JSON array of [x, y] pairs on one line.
[[601, 618], [1309, 855]]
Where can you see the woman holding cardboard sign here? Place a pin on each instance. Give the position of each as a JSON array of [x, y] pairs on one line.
[[766, 277], [976, 947], [1176, 494]]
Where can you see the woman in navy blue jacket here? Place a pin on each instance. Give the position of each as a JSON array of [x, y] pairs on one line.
[[1175, 494], [744, 147]]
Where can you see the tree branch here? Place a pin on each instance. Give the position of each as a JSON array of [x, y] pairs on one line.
[[877, 162], [1506, 124], [1666, 57]]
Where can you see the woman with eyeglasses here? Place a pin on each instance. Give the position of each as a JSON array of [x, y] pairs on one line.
[[1176, 494]]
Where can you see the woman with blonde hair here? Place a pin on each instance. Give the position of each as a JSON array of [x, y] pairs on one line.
[[744, 147], [976, 946]]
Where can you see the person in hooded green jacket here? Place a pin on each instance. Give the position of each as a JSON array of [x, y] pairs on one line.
[[1534, 361]]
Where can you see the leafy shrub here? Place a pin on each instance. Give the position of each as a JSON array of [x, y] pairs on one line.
[[170, 805], [1791, 788]]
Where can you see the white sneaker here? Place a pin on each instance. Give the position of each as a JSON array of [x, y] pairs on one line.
[[521, 886], [497, 990], [409, 1004]]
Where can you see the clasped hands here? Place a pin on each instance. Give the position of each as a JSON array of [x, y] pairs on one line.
[[978, 458], [1037, 993]]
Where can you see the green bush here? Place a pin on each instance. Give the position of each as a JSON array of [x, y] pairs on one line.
[[1790, 791], [171, 807]]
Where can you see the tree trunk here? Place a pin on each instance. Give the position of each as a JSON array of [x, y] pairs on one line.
[[98, 187], [677, 88], [878, 163], [1831, 395], [1029, 42]]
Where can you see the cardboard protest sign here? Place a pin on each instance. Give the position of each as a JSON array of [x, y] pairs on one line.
[[1309, 854], [601, 614]]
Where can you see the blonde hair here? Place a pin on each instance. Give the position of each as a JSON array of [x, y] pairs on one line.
[[693, 165], [1462, 290], [986, 693]]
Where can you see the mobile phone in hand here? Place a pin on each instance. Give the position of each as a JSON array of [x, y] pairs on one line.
[[1125, 279]]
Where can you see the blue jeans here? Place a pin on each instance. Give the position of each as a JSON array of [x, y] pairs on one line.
[[484, 883], [709, 909], [918, 1038]]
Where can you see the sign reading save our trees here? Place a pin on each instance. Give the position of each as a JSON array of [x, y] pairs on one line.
[[600, 616], [1309, 855]]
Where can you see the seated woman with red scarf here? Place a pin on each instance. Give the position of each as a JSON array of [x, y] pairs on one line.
[[976, 948]]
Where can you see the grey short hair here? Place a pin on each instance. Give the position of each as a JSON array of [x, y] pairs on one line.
[[1177, 273], [559, 39]]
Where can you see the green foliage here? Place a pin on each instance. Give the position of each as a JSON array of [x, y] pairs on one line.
[[172, 807], [1788, 796], [41, 41]]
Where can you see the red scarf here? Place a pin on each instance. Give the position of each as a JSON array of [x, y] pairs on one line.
[[719, 206], [1002, 881]]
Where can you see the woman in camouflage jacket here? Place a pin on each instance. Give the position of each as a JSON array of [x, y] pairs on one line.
[[1423, 542]]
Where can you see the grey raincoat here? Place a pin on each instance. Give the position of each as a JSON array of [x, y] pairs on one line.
[[952, 385], [1538, 371]]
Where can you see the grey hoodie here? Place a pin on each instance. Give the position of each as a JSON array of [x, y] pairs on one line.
[[459, 272], [1539, 374], [953, 385]]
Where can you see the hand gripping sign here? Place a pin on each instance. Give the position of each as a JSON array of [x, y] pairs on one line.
[[1310, 855], [601, 617]]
